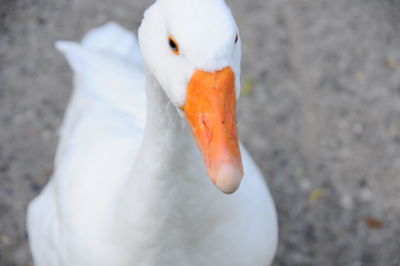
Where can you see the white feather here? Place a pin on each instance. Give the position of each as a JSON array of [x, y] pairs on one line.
[[124, 195]]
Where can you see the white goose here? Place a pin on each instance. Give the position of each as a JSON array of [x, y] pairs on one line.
[[125, 194]]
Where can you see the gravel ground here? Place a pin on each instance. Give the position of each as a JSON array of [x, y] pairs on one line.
[[321, 114]]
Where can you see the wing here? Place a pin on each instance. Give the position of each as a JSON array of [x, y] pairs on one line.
[[104, 122], [99, 138], [107, 69]]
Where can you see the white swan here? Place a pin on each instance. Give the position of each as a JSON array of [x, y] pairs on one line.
[[130, 186]]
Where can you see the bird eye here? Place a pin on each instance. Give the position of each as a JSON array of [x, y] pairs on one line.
[[173, 45], [237, 38]]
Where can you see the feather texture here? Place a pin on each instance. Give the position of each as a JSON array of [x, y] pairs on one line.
[[127, 194]]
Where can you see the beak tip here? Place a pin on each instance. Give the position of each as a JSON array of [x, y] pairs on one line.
[[229, 178]]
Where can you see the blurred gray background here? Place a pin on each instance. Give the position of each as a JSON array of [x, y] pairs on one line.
[[320, 113]]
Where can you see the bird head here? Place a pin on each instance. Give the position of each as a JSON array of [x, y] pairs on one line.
[[193, 49]]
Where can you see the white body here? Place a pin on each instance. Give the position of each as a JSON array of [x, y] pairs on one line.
[[125, 194]]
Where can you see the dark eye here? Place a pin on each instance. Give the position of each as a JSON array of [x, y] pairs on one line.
[[236, 38], [173, 45]]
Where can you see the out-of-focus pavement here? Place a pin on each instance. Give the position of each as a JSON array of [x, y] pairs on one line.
[[320, 114]]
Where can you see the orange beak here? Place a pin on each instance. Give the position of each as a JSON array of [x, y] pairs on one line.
[[211, 111]]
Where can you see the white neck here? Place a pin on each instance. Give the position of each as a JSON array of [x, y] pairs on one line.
[[169, 155], [169, 197], [169, 171]]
